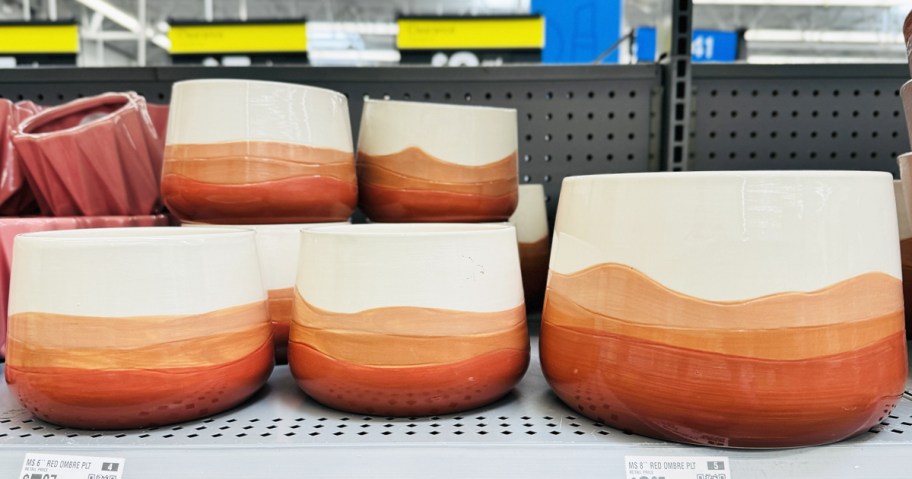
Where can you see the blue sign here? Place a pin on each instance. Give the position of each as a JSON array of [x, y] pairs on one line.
[[714, 46], [578, 31], [706, 45]]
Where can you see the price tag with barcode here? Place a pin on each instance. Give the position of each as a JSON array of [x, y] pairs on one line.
[[677, 467], [61, 466]]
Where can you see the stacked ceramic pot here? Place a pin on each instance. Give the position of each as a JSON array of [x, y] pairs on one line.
[[274, 157], [424, 313]]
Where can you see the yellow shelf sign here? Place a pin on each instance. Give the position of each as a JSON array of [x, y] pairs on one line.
[[198, 38], [39, 38], [472, 33]]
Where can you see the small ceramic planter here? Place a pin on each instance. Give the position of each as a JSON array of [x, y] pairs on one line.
[[408, 320], [255, 152], [16, 197], [531, 222], [158, 113], [92, 157], [736, 309], [12, 227], [425, 162], [136, 327], [278, 247], [905, 250]]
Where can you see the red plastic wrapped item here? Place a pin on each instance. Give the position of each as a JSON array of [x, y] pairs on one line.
[[10, 227], [15, 195], [92, 157]]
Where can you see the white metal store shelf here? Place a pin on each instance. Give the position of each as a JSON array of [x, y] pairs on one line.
[[529, 434]]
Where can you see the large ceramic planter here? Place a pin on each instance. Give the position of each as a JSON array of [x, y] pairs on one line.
[[94, 156], [12, 227], [424, 162], [408, 320], [531, 222], [136, 327], [250, 152], [740, 309], [277, 248]]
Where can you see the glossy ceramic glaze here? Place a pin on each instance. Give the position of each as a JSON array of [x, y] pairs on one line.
[[426, 162], [277, 248], [905, 250], [408, 320], [158, 113], [255, 152], [16, 196], [11, 227], [738, 309], [905, 93], [531, 222], [92, 157], [136, 327]]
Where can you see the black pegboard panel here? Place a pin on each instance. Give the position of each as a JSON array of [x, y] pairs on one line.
[[573, 120], [798, 117]]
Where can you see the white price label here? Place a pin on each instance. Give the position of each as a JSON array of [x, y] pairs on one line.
[[60, 466], [677, 467]]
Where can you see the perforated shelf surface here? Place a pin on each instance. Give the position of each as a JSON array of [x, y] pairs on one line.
[[530, 433]]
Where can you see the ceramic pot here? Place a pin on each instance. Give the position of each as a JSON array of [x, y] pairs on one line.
[[136, 327], [248, 152], [158, 113], [12, 227], [94, 156], [277, 248], [406, 319], [16, 197], [906, 95], [425, 162], [531, 222], [905, 250], [738, 309]]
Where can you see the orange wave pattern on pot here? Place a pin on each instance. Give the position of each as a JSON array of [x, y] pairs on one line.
[[755, 373], [259, 182], [533, 261], [405, 361], [413, 185], [905, 248], [140, 371], [281, 310]]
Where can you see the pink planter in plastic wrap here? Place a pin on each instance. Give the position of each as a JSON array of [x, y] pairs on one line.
[[93, 157], [10, 227]]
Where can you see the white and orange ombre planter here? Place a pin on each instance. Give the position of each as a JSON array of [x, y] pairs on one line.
[[531, 222], [407, 319], [739, 309], [427, 162], [248, 152], [278, 247], [136, 327]]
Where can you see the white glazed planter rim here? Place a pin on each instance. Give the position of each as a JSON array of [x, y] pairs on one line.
[[240, 81], [389, 230], [683, 175], [440, 106], [133, 234]]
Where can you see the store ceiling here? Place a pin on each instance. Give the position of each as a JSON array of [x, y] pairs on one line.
[[777, 33]]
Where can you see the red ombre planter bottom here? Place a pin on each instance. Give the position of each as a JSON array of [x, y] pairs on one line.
[[402, 205], [310, 199], [406, 391], [711, 399], [131, 399]]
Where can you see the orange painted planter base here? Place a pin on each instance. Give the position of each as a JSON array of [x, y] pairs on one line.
[[406, 391], [131, 399]]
